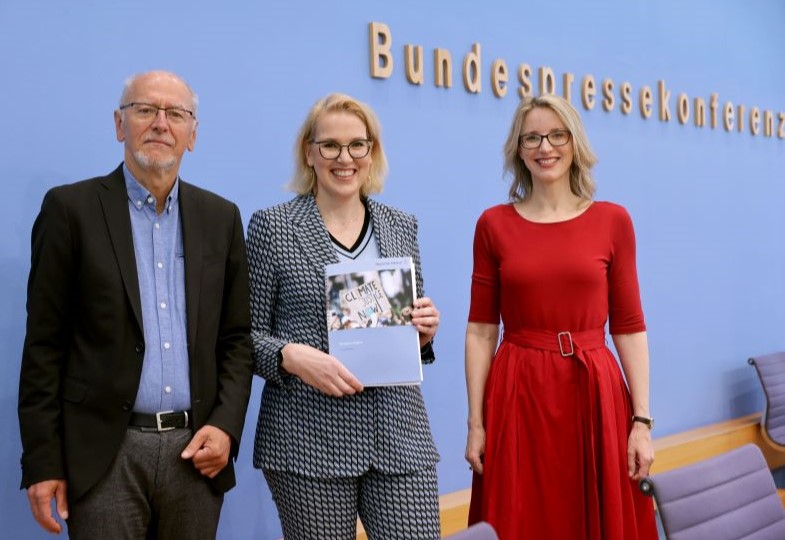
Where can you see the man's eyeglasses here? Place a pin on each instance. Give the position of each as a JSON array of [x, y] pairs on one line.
[[148, 111], [357, 149], [558, 137]]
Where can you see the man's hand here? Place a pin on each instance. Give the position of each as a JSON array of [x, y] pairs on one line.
[[209, 450], [40, 496]]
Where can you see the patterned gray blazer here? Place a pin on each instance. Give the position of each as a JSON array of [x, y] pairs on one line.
[[300, 429]]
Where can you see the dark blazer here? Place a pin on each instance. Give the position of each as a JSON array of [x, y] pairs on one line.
[[84, 347], [300, 429]]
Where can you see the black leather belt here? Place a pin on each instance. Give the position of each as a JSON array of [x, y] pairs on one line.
[[161, 421]]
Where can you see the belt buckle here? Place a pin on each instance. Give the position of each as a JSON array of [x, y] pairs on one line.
[[158, 421], [561, 346]]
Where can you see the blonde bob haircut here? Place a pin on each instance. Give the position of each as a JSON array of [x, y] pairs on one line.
[[583, 158], [304, 179]]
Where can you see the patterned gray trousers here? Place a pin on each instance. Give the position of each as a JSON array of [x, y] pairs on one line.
[[391, 507]]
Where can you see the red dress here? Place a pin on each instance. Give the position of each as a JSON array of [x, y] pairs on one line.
[[556, 423]]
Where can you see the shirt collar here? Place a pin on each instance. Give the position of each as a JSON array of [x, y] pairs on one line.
[[140, 195]]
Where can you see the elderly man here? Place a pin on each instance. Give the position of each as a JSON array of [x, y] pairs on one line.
[[136, 369]]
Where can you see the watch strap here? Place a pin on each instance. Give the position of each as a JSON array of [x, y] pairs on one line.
[[645, 420]]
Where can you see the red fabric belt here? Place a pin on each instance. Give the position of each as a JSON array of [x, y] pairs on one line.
[[565, 343]]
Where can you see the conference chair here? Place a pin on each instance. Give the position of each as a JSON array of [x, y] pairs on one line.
[[728, 497], [478, 531], [771, 371]]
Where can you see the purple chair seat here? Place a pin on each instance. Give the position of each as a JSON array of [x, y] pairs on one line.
[[478, 531], [771, 371], [729, 497]]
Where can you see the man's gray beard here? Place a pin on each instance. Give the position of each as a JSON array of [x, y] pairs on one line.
[[154, 164]]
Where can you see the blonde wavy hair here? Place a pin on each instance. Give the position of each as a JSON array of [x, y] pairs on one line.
[[304, 179], [581, 182]]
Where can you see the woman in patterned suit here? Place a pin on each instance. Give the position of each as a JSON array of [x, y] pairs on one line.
[[330, 449]]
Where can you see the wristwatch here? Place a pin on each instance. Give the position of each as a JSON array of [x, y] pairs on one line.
[[645, 420]]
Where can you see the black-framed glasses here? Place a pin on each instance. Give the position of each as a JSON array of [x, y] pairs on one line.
[[357, 149], [148, 111], [557, 137]]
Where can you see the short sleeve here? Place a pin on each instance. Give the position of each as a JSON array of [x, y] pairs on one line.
[[624, 299], [485, 304]]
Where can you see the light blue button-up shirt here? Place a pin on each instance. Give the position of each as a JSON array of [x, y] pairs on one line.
[[160, 265]]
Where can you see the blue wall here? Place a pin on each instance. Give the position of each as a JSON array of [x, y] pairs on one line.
[[707, 203]]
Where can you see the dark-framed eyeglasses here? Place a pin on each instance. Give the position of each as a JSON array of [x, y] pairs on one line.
[[557, 137], [148, 111], [358, 148]]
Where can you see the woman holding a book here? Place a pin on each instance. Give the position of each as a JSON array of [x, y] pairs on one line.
[[556, 439], [330, 448]]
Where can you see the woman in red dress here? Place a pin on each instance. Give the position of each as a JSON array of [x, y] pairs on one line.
[[557, 440]]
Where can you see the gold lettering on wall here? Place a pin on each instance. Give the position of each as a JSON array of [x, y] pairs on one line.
[[382, 66], [587, 92], [664, 101], [567, 80], [727, 116], [754, 121], [607, 94], [414, 64], [644, 101], [713, 109], [472, 65], [700, 112], [381, 55], [443, 66], [683, 108], [524, 77], [626, 98], [768, 124], [547, 81], [499, 78]]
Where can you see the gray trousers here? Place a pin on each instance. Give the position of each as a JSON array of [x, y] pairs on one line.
[[393, 507], [149, 492]]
